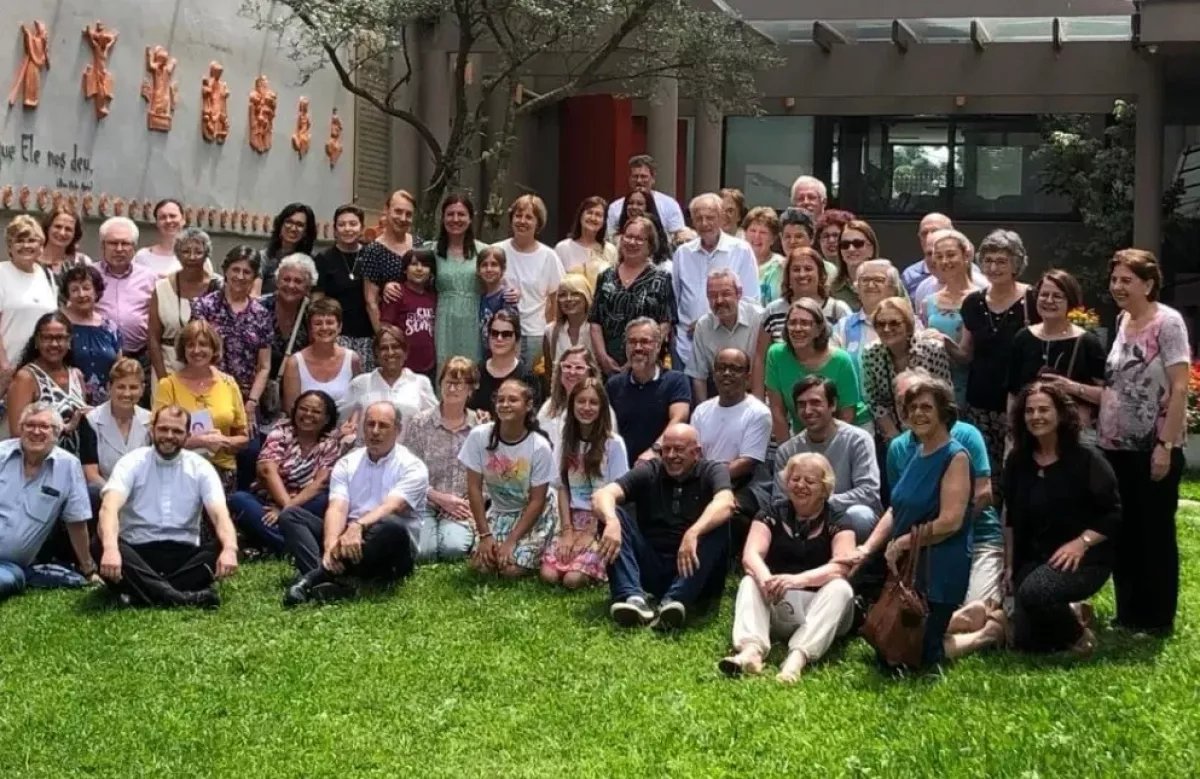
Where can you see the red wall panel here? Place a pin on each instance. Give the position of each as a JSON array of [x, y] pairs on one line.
[[596, 141]]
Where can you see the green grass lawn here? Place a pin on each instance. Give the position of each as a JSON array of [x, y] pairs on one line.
[[453, 676]]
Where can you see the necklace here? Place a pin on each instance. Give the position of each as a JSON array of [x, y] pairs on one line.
[[350, 266]]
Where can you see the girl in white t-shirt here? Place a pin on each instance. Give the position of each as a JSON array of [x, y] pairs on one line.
[[509, 461], [591, 456]]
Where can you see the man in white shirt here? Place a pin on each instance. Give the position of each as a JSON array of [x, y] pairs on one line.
[[731, 323], [809, 194], [735, 428], [694, 260], [152, 550], [641, 178], [371, 527]]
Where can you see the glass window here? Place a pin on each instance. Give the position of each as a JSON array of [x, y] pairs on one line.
[[764, 155]]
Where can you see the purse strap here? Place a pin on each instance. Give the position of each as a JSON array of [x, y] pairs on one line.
[[291, 344], [909, 573]]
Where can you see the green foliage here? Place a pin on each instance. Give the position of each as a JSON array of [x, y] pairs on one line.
[[459, 677]]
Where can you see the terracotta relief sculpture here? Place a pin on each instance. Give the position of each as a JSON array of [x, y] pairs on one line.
[[134, 211], [159, 90], [88, 203], [6, 196], [103, 205], [28, 82], [333, 146], [263, 102], [42, 199], [303, 135], [23, 198], [214, 94], [119, 206], [73, 203], [97, 81]]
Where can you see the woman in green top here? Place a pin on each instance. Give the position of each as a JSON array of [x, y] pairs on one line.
[[456, 327], [805, 351]]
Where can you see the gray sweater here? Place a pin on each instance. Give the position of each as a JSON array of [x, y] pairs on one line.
[[851, 452]]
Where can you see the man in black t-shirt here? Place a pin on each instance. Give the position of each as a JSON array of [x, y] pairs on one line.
[[678, 542]]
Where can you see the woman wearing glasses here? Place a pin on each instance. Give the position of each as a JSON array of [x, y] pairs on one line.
[[294, 231], [857, 245], [504, 340], [875, 281]]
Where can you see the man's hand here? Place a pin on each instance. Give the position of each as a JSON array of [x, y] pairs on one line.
[[331, 563], [110, 565], [687, 560], [227, 563], [610, 540], [350, 543]]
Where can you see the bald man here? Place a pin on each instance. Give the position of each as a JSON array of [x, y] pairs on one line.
[[920, 270], [677, 548]]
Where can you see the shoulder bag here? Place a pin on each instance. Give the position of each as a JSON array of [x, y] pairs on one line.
[[271, 401], [895, 624]]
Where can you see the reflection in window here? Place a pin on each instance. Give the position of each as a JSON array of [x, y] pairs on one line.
[[764, 155]]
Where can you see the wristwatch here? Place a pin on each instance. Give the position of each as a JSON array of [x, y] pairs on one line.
[[1165, 444]]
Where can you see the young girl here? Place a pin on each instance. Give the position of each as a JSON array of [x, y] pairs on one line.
[[571, 328], [413, 311], [510, 460], [494, 292], [592, 455]]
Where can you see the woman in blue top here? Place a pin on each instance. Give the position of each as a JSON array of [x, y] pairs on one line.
[[942, 311], [934, 489]]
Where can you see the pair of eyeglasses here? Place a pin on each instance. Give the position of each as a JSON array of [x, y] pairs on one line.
[[502, 334], [853, 243], [728, 369], [872, 281], [889, 324]]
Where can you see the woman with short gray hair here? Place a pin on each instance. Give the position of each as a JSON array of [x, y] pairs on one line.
[[171, 301], [992, 317]]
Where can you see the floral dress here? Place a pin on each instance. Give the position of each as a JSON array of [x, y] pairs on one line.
[[94, 349], [615, 464], [242, 334]]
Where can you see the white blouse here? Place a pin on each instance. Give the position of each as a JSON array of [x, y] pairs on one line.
[[411, 393]]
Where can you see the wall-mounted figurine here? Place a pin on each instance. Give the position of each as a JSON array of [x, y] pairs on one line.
[[243, 219], [6, 196], [214, 94], [42, 199], [159, 90], [23, 198], [119, 206], [57, 197], [104, 205], [224, 218], [263, 104], [97, 81], [303, 135], [333, 146], [28, 82], [189, 216], [88, 203], [73, 203], [134, 209]]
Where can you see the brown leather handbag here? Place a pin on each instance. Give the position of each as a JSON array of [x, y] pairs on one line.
[[895, 625]]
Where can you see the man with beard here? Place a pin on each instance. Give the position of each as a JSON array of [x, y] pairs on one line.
[[646, 398], [370, 529], [677, 547], [39, 482], [731, 323], [153, 552]]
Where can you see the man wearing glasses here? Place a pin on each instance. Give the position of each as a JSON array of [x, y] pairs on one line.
[[128, 288], [731, 323], [676, 549]]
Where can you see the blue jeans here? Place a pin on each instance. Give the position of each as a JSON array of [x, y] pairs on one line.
[[442, 538], [247, 512], [640, 569], [861, 519], [14, 578]]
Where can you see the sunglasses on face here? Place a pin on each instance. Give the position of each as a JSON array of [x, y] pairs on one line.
[[853, 243], [502, 334], [889, 324]]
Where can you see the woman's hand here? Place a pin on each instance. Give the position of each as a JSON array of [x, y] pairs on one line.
[[1068, 556], [608, 364], [854, 559], [485, 553], [506, 554], [393, 291], [452, 505], [777, 586], [894, 550], [1160, 462], [76, 417]]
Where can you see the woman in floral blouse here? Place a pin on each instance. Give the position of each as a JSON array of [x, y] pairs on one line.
[[436, 436], [243, 322], [293, 470]]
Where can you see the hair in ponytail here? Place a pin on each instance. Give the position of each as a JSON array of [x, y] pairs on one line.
[[530, 421]]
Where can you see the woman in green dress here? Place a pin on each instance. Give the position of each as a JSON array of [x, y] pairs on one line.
[[457, 325]]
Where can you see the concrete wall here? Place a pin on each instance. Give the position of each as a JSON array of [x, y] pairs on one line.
[[125, 159]]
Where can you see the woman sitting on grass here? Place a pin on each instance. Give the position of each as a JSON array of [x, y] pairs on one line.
[[510, 461], [794, 587], [591, 455]]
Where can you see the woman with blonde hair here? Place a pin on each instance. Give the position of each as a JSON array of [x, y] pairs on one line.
[[27, 291], [942, 310], [534, 269], [573, 301]]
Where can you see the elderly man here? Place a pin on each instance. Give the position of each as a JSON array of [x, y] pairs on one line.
[[642, 170], [809, 194], [932, 281], [39, 483], [731, 323], [127, 288], [694, 260], [850, 450], [371, 526], [153, 551], [646, 398], [922, 269], [676, 549]]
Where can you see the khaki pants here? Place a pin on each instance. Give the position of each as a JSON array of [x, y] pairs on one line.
[[808, 620], [987, 573]]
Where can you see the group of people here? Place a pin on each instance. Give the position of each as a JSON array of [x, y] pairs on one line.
[[744, 389]]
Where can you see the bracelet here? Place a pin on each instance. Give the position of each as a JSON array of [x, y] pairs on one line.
[[488, 534]]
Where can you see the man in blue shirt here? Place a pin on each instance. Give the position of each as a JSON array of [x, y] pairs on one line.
[[39, 482], [914, 274], [646, 398]]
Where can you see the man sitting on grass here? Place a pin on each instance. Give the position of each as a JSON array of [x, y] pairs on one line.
[[38, 483], [152, 550], [679, 542], [371, 526]]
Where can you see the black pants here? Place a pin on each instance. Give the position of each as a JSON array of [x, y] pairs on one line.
[[1146, 568], [1042, 596], [387, 553], [158, 573]]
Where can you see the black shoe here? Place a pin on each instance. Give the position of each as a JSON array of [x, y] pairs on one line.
[[328, 592], [202, 599], [631, 612], [671, 615], [296, 594]]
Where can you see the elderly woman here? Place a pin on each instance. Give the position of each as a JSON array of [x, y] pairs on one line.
[[243, 325], [930, 503], [991, 318], [1057, 350], [160, 257], [219, 421], [171, 301], [1063, 508], [340, 277], [874, 281], [795, 586], [294, 466], [760, 229], [640, 205], [46, 374], [95, 341], [27, 291], [1141, 430], [436, 435], [575, 365], [573, 301], [289, 309], [898, 349], [733, 211], [941, 311], [408, 391], [115, 427], [63, 232], [857, 245], [634, 288], [805, 352], [294, 231], [324, 364]]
